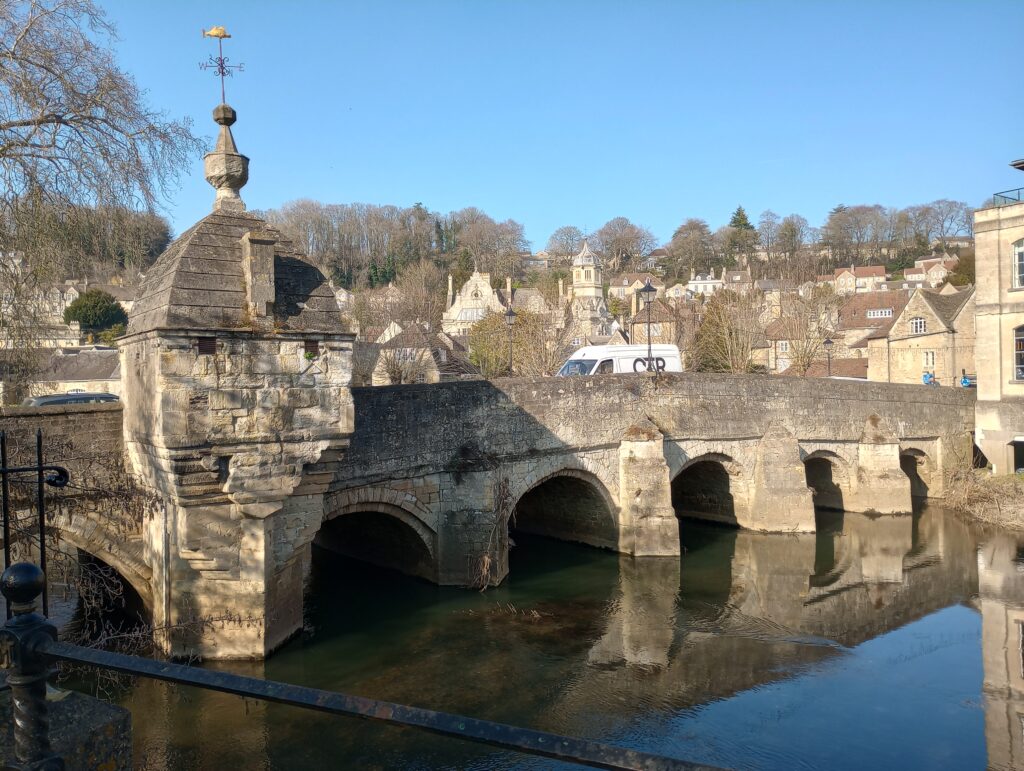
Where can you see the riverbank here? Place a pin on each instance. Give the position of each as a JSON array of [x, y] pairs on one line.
[[995, 499]]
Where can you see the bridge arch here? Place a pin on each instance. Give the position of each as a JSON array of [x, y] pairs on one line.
[[105, 547], [828, 476], [920, 469], [570, 504], [705, 487], [381, 526]]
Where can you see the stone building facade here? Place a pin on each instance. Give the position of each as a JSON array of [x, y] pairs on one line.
[[999, 267], [934, 334]]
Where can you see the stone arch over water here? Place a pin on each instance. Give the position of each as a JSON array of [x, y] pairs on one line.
[[106, 549], [571, 505], [919, 468], [373, 528], [828, 476], [704, 488]]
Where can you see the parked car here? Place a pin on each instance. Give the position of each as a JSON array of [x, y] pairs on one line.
[[50, 400], [609, 359]]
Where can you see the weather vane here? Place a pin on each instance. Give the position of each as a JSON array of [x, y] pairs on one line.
[[219, 63]]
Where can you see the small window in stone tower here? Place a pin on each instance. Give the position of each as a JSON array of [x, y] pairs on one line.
[[207, 346], [312, 348]]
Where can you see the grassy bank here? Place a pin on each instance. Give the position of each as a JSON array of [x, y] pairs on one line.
[[999, 500]]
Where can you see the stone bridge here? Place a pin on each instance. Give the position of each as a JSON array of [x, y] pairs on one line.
[[611, 461], [435, 477]]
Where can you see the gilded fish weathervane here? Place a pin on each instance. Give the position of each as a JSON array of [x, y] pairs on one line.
[[219, 63]]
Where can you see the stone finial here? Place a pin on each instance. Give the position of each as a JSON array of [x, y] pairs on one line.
[[226, 169]]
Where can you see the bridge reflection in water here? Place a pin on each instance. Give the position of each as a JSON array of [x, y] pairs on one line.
[[800, 640]]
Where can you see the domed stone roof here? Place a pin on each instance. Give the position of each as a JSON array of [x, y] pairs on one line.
[[231, 270]]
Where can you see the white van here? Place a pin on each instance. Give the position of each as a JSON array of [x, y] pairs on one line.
[[608, 359]]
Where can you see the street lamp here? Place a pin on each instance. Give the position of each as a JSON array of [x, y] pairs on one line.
[[510, 319], [828, 352], [648, 293]]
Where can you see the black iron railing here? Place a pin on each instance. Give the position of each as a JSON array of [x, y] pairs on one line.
[[55, 476]]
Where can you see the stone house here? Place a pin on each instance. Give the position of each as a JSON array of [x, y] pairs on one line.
[[862, 315], [904, 283], [737, 280], [932, 272], [666, 324], [418, 356], [934, 333], [865, 278], [705, 284], [678, 292], [624, 287], [474, 300], [782, 336], [999, 267]]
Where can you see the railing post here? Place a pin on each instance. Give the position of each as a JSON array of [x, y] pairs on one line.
[[22, 642]]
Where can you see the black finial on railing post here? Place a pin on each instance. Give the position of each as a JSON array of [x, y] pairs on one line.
[[22, 642]]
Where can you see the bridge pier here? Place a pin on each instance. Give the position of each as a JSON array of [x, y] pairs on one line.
[[880, 485], [779, 498], [648, 525]]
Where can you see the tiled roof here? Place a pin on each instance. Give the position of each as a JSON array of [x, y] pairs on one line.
[[947, 306], [863, 271], [840, 368], [853, 313], [82, 364]]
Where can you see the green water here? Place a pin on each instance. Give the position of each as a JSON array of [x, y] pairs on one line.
[[890, 642]]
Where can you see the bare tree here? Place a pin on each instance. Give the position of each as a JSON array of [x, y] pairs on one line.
[[619, 242], [565, 243], [691, 247], [768, 233], [74, 132], [729, 332], [809, 320]]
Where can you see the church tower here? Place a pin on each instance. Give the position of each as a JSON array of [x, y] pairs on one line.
[[586, 274], [590, 316]]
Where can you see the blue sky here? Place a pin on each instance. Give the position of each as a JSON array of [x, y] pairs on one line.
[[559, 112]]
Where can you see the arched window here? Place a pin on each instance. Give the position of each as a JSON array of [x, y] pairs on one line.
[[1018, 353], [1018, 264], [918, 326]]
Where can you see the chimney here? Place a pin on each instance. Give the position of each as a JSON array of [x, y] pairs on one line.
[[561, 289], [508, 289], [258, 269], [692, 274], [451, 291]]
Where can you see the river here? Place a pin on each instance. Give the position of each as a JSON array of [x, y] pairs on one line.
[[879, 642]]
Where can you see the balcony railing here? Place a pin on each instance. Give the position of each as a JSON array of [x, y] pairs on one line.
[[1008, 197]]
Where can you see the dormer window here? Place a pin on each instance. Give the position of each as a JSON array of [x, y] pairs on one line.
[[1018, 264], [918, 326]]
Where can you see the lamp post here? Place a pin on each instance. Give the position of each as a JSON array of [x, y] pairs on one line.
[[828, 353], [648, 293], [510, 319]]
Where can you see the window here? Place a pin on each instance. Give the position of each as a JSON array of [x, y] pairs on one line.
[[605, 367], [783, 346], [918, 326], [929, 359], [1018, 264], [1018, 353], [588, 274], [880, 313]]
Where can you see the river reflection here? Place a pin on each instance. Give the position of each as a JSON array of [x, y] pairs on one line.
[[860, 646]]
